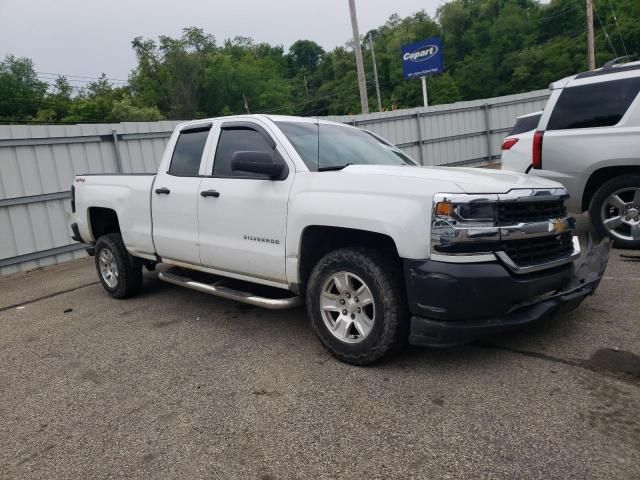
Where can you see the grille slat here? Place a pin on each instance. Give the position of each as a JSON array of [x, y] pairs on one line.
[[510, 213], [538, 250]]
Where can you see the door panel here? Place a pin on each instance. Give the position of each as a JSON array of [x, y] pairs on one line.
[[174, 197], [242, 230], [175, 218]]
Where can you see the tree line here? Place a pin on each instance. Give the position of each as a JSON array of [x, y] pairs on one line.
[[491, 48]]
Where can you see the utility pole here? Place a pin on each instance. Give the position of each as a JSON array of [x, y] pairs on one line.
[[246, 104], [591, 51], [375, 72], [359, 65]]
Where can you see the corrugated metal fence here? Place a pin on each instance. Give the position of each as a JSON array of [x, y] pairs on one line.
[[37, 166], [463, 133], [38, 163]]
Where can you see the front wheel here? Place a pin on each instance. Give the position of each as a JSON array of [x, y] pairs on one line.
[[119, 272], [615, 211], [356, 304]]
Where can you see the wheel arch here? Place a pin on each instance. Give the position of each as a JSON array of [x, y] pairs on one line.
[[102, 221], [600, 177], [318, 240]]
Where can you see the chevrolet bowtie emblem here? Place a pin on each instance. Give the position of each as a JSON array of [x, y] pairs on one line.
[[557, 226]]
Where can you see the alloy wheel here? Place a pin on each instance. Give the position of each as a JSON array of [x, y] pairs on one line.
[[108, 268], [620, 214], [347, 307]]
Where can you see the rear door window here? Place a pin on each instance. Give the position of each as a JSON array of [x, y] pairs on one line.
[[525, 124], [187, 153], [596, 105]]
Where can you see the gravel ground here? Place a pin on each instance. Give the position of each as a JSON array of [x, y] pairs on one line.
[[178, 384]]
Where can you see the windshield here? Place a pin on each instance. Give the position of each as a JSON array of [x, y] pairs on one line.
[[339, 146], [407, 159]]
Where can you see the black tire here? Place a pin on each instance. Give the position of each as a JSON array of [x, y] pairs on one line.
[[599, 199], [129, 268], [383, 277]]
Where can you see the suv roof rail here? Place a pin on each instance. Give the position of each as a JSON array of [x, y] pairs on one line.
[[611, 63], [608, 68]]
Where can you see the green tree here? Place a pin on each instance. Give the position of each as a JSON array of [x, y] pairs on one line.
[[124, 111], [21, 93], [491, 47]]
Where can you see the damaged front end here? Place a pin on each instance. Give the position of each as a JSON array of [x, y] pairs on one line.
[[460, 303]]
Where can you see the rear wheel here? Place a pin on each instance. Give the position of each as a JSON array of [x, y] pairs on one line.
[[356, 305], [119, 272], [615, 211]]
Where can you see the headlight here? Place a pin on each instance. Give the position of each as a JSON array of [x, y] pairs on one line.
[[462, 223], [480, 210]]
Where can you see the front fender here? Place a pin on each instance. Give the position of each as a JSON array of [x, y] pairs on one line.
[[403, 219]]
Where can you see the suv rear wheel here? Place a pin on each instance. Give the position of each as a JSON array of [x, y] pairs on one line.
[[615, 211], [356, 304]]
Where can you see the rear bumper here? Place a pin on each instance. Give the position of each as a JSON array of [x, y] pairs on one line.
[[76, 237], [457, 303], [76, 233]]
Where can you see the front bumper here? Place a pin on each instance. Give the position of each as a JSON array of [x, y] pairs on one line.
[[455, 303]]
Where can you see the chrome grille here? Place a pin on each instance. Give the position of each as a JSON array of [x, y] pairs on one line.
[[538, 250], [510, 213]]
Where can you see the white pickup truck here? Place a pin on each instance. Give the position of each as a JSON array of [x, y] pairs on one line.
[[281, 211]]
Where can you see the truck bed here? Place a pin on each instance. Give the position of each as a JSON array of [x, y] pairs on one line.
[[129, 195]]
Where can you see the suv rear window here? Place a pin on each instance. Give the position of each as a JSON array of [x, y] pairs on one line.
[[525, 124], [597, 105]]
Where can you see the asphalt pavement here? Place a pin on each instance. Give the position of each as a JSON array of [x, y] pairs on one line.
[[178, 384]]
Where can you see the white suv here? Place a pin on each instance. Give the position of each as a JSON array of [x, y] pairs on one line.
[[516, 147], [588, 139]]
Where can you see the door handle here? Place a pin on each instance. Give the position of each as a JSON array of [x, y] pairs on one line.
[[210, 193], [164, 190]]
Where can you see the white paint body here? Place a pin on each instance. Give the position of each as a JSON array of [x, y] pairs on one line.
[[208, 234], [519, 157]]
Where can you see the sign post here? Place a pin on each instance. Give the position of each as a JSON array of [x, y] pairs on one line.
[[420, 59], [424, 91]]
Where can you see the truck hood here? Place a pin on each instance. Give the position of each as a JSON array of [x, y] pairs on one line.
[[469, 180]]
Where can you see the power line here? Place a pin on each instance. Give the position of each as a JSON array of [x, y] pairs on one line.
[[618, 28], [68, 75], [311, 100], [605, 31], [78, 81], [560, 13]]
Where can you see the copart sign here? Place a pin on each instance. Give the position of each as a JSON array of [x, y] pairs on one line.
[[422, 58]]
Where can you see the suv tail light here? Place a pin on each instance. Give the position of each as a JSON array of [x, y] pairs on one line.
[[507, 143], [537, 149]]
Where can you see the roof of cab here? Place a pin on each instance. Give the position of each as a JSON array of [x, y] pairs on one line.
[[273, 118]]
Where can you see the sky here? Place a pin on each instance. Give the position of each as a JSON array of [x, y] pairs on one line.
[[88, 37]]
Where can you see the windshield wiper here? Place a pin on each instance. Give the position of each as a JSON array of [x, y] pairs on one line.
[[333, 167]]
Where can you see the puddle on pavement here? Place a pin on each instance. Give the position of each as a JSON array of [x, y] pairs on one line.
[[616, 361]]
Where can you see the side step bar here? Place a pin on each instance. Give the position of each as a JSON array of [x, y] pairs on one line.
[[224, 292]]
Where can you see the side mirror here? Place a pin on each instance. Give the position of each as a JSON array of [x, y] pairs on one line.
[[258, 162]]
